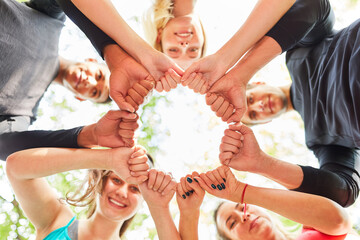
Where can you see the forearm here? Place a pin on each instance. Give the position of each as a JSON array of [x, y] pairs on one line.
[[113, 55], [317, 212], [105, 16], [17, 141], [42, 162], [263, 17], [188, 224], [164, 223], [256, 58], [287, 174]]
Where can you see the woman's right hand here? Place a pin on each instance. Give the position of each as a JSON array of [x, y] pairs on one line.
[[130, 164], [221, 183], [189, 194]]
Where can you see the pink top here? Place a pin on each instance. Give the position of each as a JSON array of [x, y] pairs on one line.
[[312, 234]]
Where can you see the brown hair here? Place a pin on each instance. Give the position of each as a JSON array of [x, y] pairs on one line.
[[95, 182]]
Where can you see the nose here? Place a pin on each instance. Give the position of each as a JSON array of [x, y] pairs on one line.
[[244, 217], [258, 106], [91, 81], [184, 43], [122, 191]]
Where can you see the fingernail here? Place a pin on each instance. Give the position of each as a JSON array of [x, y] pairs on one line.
[[192, 191], [196, 180], [213, 186], [224, 179], [219, 187], [187, 194], [223, 186], [183, 196], [189, 180]]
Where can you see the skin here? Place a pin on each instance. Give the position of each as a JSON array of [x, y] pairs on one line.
[[182, 40], [88, 80], [265, 102], [257, 224]]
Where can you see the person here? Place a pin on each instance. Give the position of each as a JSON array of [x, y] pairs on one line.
[[241, 218], [213, 67], [110, 27], [111, 190], [30, 63], [172, 27], [323, 91]]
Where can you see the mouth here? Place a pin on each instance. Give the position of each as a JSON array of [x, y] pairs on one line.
[[116, 204], [184, 34], [253, 223]]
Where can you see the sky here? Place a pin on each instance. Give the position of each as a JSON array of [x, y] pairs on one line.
[[190, 133]]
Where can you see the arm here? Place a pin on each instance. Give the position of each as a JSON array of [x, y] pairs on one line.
[[314, 211], [189, 196], [109, 131], [183, 7], [157, 192], [26, 169]]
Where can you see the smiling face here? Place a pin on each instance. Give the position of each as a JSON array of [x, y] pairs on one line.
[[256, 225], [88, 80], [182, 39], [119, 200], [264, 103]]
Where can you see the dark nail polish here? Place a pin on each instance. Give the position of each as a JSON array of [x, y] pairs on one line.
[[223, 186], [224, 179], [196, 180], [187, 194], [192, 191], [189, 180], [183, 196], [219, 187], [213, 186]]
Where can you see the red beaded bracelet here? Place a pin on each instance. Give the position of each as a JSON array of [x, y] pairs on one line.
[[242, 200]]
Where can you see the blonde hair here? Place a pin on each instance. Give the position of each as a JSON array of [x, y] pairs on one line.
[[94, 183], [156, 18]]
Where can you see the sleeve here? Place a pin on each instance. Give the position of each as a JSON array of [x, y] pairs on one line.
[[306, 23], [338, 177], [96, 36], [48, 7], [16, 141]]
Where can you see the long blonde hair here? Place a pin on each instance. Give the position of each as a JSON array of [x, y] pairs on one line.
[[156, 18], [94, 183]]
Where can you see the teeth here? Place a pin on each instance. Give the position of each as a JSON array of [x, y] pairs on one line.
[[183, 34], [117, 203]]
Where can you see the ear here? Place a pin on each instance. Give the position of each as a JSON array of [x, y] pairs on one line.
[[91, 60], [158, 37], [80, 99]]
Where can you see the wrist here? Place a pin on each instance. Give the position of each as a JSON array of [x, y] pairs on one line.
[[189, 213], [87, 137]]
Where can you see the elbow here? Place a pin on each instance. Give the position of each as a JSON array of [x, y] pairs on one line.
[[340, 223], [11, 166]]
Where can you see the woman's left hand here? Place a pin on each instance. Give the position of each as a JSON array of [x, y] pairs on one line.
[[189, 194], [159, 189]]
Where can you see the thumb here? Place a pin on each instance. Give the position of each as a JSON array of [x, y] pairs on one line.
[[118, 114], [236, 116], [177, 69], [120, 101], [136, 180], [193, 68]]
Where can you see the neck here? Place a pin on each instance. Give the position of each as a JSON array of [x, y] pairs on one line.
[[278, 235], [64, 64], [286, 91], [183, 7], [99, 227]]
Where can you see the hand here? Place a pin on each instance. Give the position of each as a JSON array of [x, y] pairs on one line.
[[137, 94], [233, 92], [158, 190], [196, 82], [221, 183], [189, 194], [111, 130], [240, 150], [210, 67], [166, 73], [125, 72], [130, 164]]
